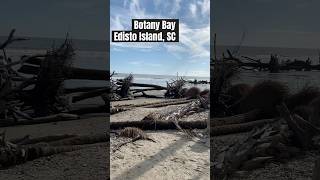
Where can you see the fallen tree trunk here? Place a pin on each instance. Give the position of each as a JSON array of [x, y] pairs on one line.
[[88, 110], [13, 155], [158, 125], [62, 140], [154, 104], [156, 87], [39, 120], [27, 140], [134, 91], [316, 170], [30, 149], [238, 128], [302, 132], [80, 89], [73, 73], [163, 104], [149, 96], [81, 140], [239, 118], [117, 110], [90, 94], [261, 146]]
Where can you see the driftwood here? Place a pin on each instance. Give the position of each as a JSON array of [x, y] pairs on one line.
[[27, 140], [276, 141], [263, 145], [157, 104], [80, 89], [73, 73], [42, 97], [273, 65], [124, 89], [158, 125], [155, 87], [116, 110], [148, 96], [28, 149], [238, 128], [62, 140], [135, 91], [177, 102], [121, 108], [177, 113], [316, 170], [88, 110], [175, 88], [302, 130], [90, 94], [39, 120], [134, 133], [167, 120], [240, 118], [13, 155], [80, 140]]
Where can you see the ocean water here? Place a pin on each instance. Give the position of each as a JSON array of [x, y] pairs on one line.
[[295, 80], [93, 54], [163, 79]]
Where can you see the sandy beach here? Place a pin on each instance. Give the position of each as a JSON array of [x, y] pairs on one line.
[[174, 155], [90, 162]]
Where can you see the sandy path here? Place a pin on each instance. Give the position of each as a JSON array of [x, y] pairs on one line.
[[173, 156]]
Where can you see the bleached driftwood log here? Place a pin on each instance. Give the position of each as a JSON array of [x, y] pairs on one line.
[[275, 141]]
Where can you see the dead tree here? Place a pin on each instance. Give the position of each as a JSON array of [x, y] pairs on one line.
[[175, 88], [48, 91]]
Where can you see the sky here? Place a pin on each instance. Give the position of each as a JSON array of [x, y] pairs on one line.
[[267, 23], [189, 57], [83, 19]]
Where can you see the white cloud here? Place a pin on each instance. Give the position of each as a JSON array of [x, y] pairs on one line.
[[139, 45], [193, 42], [199, 73], [135, 62], [144, 64], [193, 9], [176, 7], [116, 23], [136, 10], [205, 7]]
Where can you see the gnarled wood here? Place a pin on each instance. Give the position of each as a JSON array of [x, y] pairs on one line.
[[238, 128], [236, 119], [158, 125]]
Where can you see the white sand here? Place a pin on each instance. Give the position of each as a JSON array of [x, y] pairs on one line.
[[173, 156]]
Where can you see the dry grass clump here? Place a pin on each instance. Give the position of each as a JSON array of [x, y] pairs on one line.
[[303, 97], [131, 132], [264, 96], [192, 93], [238, 91]]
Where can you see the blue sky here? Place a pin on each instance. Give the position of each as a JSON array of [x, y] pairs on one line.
[[189, 57], [273, 23]]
